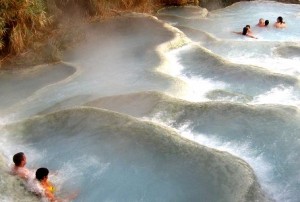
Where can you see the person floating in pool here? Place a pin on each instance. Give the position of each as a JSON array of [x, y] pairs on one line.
[[246, 32], [19, 168], [266, 23], [261, 23], [42, 187], [280, 23]]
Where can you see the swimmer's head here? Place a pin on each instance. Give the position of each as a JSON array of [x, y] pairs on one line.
[[19, 159], [245, 30], [248, 26], [41, 173], [261, 21], [267, 22], [280, 19]]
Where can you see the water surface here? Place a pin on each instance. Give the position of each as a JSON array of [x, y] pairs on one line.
[[167, 108]]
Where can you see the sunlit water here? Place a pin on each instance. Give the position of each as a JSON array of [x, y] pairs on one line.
[[168, 108]]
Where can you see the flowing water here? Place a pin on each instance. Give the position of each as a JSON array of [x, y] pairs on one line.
[[174, 107]]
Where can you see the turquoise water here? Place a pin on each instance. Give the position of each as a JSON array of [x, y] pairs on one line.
[[167, 108]]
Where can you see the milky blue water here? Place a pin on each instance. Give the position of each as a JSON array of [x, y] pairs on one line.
[[172, 107]]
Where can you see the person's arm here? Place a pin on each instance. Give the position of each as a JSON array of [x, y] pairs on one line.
[[50, 196], [237, 32], [21, 172], [251, 36]]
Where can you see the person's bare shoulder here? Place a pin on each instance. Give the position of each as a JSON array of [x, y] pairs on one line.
[[251, 36], [278, 25], [23, 173]]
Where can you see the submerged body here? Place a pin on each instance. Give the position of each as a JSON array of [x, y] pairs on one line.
[[280, 23], [19, 168], [246, 32], [131, 99], [261, 23], [43, 188], [23, 173]]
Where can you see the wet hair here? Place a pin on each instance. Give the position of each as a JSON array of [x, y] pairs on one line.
[[41, 173], [280, 19], [248, 26], [18, 158], [266, 22], [245, 30]]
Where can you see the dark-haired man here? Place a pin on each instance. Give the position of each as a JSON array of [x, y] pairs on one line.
[[19, 168]]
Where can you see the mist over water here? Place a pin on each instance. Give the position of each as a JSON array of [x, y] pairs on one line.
[[167, 108]]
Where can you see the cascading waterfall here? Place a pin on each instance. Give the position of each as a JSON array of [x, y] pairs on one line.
[[172, 107]]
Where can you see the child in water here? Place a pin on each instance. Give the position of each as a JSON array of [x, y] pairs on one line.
[[42, 187]]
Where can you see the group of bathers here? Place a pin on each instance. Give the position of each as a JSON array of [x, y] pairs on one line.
[[262, 23]]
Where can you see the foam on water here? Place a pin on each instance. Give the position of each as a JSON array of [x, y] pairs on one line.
[[261, 166], [243, 50], [264, 136], [273, 56], [240, 14], [11, 188], [132, 159], [278, 65], [9, 148], [196, 87], [279, 95], [124, 67], [270, 171]]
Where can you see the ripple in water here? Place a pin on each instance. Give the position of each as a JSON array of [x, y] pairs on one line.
[[121, 127]]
